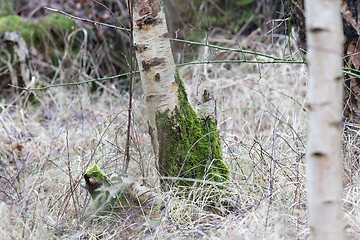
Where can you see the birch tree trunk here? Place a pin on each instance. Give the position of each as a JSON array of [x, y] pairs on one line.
[[324, 157], [186, 146]]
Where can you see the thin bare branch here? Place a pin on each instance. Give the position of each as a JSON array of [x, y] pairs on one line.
[[85, 19]]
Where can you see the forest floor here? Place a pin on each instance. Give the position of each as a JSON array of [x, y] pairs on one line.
[[48, 141]]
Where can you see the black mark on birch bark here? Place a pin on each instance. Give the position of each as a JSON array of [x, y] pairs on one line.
[[337, 123], [148, 20], [148, 98], [148, 11], [327, 202], [318, 154], [152, 62], [148, 7], [317, 29], [141, 47], [338, 78]]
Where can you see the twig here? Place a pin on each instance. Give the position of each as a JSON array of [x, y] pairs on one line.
[[178, 40], [77, 83], [171, 39], [131, 78], [232, 49], [242, 61], [272, 173], [112, 14], [178, 65], [85, 20], [345, 71], [351, 73], [72, 191]]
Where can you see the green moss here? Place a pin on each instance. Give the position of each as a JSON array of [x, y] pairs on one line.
[[44, 34], [110, 194], [12, 23], [96, 172], [7, 7], [58, 23], [189, 147], [37, 31]]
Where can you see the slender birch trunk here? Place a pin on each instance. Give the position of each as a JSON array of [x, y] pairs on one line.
[[324, 157], [186, 146], [155, 60]]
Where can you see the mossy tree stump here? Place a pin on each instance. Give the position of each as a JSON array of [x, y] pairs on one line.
[[186, 146], [189, 146]]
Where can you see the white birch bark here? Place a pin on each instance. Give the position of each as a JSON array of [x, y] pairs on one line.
[[324, 157], [155, 60]]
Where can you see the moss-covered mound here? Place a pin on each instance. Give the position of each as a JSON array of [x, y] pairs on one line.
[[48, 35], [189, 146], [39, 31]]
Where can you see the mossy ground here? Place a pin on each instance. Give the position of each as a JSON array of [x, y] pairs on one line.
[[37, 32], [47, 35], [189, 147]]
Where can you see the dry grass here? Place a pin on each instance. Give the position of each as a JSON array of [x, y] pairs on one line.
[[46, 147]]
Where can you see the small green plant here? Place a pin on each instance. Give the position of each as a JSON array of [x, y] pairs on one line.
[[107, 194]]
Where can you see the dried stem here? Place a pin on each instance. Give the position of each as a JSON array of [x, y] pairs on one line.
[[131, 78]]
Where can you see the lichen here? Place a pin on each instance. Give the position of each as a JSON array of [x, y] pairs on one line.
[[189, 147]]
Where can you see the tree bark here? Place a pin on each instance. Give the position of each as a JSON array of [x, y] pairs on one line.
[[324, 157], [185, 145], [350, 13]]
